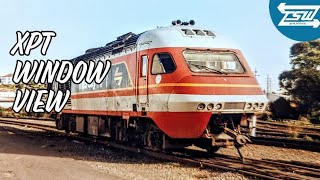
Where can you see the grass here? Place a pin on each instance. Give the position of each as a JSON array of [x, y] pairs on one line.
[[293, 132], [9, 113], [7, 88], [14, 87], [308, 138]]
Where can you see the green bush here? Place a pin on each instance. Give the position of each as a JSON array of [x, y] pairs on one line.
[[315, 117], [281, 109], [2, 109], [308, 138]]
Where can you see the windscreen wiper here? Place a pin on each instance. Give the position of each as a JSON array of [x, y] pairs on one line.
[[206, 68]]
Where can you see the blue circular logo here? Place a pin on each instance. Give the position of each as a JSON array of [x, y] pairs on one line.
[[298, 20]]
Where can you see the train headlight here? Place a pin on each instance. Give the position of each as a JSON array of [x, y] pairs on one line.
[[210, 106], [249, 106], [218, 106], [201, 106], [255, 106]]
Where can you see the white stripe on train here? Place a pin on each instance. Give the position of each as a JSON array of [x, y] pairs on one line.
[[161, 102]]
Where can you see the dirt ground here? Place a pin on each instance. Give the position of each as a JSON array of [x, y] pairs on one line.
[[27, 153], [35, 154], [23, 158]]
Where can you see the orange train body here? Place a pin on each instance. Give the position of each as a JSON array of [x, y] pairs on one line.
[[178, 76]]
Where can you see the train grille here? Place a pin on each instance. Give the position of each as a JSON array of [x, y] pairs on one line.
[[64, 87], [234, 105]]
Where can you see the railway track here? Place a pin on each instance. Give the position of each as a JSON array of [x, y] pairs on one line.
[[37, 125], [286, 143], [281, 140], [261, 168], [285, 130], [281, 135]]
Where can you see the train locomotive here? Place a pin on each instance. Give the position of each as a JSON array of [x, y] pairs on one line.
[[169, 87]]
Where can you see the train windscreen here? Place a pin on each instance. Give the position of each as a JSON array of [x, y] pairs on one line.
[[213, 62]]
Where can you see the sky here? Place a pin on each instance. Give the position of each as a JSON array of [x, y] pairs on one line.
[[82, 24]]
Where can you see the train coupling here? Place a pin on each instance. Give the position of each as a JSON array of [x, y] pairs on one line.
[[229, 138], [239, 139]]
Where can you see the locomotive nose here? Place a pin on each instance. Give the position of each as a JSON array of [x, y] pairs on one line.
[[223, 94]]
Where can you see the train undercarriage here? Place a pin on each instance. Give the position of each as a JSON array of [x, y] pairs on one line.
[[222, 131]]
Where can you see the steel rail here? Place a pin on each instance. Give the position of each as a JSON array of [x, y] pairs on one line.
[[264, 169]]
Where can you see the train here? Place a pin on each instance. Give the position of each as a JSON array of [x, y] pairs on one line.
[[170, 87]]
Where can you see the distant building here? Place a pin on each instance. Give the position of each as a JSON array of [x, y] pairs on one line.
[[6, 79], [274, 97], [281, 93]]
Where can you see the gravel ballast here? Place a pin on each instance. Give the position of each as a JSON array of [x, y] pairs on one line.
[[128, 165]]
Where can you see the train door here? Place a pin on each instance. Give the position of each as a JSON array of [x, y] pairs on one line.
[[142, 78]]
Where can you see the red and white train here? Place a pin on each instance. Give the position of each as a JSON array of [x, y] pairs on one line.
[[168, 87]]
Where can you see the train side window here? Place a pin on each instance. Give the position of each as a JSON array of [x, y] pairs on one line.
[[144, 66], [163, 64]]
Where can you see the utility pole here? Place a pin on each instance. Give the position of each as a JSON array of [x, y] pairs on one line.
[[268, 85], [256, 72]]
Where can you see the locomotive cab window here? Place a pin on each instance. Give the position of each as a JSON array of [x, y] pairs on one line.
[[163, 64], [213, 62], [144, 66]]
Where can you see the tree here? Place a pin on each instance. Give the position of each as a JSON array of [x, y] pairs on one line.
[[303, 80]]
